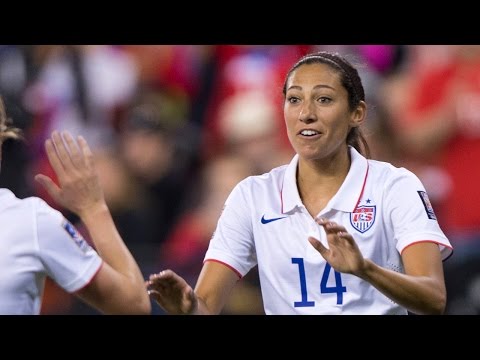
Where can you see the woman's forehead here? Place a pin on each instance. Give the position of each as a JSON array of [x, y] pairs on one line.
[[314, 75]]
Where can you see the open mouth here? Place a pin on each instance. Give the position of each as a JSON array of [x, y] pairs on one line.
[[309, 133]]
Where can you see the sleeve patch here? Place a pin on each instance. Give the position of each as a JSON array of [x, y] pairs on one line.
[[75, 235], [427, 205]]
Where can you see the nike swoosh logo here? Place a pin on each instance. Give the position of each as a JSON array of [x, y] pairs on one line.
[[266, 221]]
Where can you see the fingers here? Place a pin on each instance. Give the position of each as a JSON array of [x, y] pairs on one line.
[[163, 278], [166, 289], [172, 293], [318, 246], [336, 233], [87, 153], [156, 277], [52, 189], [62, 152], [54, 159], [155, 295], [65, 154], [72, 148], [331, 227], [69, 152]]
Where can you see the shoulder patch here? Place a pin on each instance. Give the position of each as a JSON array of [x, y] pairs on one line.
[[75, 235], [427, 205]]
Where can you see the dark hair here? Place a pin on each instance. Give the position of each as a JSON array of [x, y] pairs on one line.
[[6, 130], [349, 79]]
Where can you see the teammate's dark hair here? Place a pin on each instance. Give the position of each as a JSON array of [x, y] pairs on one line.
[[7, 131]]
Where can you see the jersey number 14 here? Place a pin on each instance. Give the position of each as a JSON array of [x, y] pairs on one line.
[[338, 289]]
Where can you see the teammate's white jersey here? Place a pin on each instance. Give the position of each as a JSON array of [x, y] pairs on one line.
[[37, 241], [385, 208]]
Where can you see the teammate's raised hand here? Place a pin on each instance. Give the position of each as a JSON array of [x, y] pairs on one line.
[[79, 187]]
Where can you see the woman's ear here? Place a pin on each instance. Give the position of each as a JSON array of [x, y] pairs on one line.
[[359, 115]]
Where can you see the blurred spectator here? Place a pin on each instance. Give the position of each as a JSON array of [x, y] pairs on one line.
[[246, 68], [250, 127], [78, 88], [185, 248], [438, 121], [152, 135]]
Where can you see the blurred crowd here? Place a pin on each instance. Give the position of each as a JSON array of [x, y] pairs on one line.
[[175, 127]]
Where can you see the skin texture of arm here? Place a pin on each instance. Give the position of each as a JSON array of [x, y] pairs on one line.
[[118, 287], [420, 290], [176, 297]]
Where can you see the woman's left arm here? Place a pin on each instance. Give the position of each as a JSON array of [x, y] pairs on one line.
[[421, 289]]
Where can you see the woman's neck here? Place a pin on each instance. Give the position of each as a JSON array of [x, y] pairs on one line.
[[319, 180]]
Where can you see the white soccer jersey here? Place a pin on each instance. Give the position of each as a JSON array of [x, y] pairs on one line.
[[264, 221], [37, 241]]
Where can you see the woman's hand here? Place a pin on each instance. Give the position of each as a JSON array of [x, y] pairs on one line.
[[172, 293], [342, 253]]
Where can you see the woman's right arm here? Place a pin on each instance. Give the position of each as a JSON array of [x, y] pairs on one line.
[[232, 244]]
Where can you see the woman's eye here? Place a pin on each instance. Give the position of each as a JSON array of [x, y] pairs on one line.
[[324, 99]]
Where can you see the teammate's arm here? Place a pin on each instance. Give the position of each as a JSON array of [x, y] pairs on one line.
[[118, 287]]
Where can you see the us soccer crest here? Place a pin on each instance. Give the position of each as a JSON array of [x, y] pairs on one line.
[[363, 217]]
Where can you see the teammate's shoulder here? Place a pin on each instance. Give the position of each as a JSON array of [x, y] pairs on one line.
[[7, 195], [35, 200], [9, 199], [9, 202], [40, 206]]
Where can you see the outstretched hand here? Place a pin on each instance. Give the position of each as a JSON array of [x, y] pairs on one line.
[[172, 293], [79, 187], [342, 253]]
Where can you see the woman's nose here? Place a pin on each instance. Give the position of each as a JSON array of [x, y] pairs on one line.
[[307, 114]]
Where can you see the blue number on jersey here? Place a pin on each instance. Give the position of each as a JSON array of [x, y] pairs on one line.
[[338, 288], [324, 289], [303, 285]]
